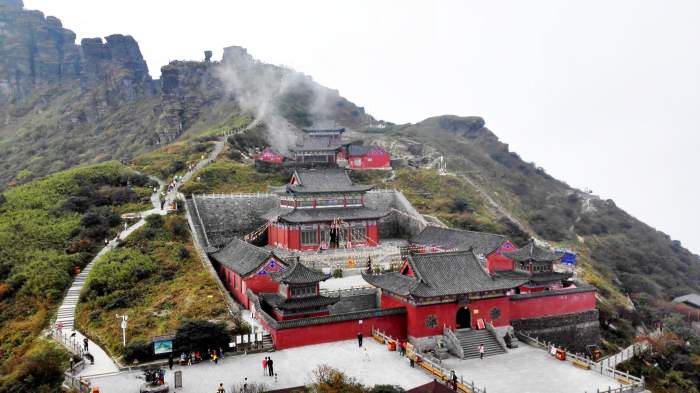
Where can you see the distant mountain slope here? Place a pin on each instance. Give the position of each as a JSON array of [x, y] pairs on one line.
[[634, 256]]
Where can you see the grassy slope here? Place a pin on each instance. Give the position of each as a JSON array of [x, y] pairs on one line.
[[42, 238], [157, 279]]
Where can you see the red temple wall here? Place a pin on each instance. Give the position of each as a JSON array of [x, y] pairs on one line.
[[392, 325], [496, 261], [373, 234], [552, 305], [370, 161]]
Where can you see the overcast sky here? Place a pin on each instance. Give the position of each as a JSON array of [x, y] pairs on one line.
[[602, 94]]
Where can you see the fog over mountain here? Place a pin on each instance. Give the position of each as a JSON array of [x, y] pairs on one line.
[[603, 95]]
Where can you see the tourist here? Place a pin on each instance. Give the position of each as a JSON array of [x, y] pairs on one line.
[[170, 361], [106, 242], [221, 388], [265, 366], [454, 380], [183, 359], [269, 366], [481, 351], [359, 339], [365, 356], [411, 361], [245, 385], [221, 352], [85, 344]]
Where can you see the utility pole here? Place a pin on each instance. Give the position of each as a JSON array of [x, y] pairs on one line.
[[124, 318]]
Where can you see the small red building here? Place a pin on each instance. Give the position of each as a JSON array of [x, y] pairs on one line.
[[322, 209], [243, 266], [486, 246], [365, 157], [298, 295], [270, 156]]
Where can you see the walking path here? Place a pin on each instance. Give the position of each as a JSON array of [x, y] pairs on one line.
[[103, 363]]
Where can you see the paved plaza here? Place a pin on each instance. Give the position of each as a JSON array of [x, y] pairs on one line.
[[525, 370]]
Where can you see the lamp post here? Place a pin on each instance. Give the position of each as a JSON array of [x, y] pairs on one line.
[[124, 319]]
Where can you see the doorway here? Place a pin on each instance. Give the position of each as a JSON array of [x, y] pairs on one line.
[[464, 318]]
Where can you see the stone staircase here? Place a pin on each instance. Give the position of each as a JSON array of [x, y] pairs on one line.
[[267, 344], [66, 312], [469, 340]]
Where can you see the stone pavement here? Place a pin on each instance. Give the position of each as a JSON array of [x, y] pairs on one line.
[[293, 366], [66, 311], [525, 369], [528, 370]]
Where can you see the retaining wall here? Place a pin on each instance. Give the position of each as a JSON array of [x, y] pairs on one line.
[[572, 331]]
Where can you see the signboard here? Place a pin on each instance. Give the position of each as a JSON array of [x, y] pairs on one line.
[[178, 379], [162, 346]]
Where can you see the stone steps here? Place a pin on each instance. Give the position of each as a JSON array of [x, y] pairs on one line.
[[470, 339]]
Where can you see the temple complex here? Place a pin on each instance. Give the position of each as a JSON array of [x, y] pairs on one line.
[[322, 209]]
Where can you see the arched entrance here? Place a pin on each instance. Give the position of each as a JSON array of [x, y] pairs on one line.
[[464, 318]]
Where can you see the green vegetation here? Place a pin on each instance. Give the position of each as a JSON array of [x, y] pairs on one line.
[[48, 228], [225, 175], [173, 159], [156, 278]]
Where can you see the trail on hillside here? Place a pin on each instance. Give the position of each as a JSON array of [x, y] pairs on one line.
[[103, 362]]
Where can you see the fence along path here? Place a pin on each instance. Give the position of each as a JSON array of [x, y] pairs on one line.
[[65, 320]]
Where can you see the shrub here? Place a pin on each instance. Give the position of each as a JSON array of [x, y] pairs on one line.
[[138, 350], [338, 273], [155, 221], [197, 335]]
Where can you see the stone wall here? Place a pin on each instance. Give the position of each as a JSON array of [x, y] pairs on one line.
[[404, 220], [572, 331], [232, 215]]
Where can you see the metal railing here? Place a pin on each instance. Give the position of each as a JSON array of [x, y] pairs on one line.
[[235, 195], [428, 363], [628, 383], [68, 341]]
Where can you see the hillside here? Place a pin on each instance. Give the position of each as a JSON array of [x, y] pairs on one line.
[[64, 104]]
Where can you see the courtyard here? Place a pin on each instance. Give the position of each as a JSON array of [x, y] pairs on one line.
[[525, 369]]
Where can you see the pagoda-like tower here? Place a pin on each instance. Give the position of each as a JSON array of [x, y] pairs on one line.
[[299, 294], [322, 209]]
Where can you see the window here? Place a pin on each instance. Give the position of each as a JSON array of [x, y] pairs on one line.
[[306, 203], [354, 200], [329, 202], [309, 235], [359, 234], [325, 235], [304, 291]]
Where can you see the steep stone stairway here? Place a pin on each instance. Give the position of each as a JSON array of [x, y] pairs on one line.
[[469, 340]]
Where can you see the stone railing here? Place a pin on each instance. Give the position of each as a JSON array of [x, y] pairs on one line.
[[453, 344], [628, 382], [353, 291], [494, 333]]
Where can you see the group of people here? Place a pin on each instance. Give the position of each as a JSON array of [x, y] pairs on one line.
[[196, 357], [268, 366]]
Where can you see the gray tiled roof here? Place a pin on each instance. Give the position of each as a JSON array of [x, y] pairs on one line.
[[692, 299], [324, 214], [295, 304], [316, 143], [325, 180], [458, 239], [299, 274], [536, 277], [442, 274], [242, 257], [532, 253], [359, 150]]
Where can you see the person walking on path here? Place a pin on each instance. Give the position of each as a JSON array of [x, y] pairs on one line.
[[269, 366], [265, 366], [221, 389], [359, 339], [171, 361], [481, 351], [85, 344], [365, 356]]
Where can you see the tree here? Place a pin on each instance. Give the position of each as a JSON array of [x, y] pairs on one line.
[[197, 335]]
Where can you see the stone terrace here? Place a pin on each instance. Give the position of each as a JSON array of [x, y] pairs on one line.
[[525, 370]]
